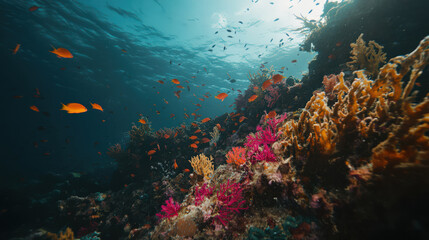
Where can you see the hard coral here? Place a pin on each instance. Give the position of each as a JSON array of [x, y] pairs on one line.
[[170, 209]]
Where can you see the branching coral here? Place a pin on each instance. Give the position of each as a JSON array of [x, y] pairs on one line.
[[272, 96], [329, 82], [215, 135], [366, 57], [203, 165], [260, 77], [202, 192], [229, 202], [169, 210], [237, 156]]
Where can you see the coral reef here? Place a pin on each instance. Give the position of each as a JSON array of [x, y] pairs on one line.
[[366, 57], [203, 165]]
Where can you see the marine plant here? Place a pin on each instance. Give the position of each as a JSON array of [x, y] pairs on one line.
[[169, 210]]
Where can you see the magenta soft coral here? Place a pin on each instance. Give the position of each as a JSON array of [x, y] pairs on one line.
[[201, 193], [259, 144], [170, 210], [229, 201]]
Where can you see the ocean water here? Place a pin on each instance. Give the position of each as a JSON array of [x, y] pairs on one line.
[[286, 163]]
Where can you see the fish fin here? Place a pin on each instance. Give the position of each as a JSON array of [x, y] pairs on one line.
[[63, 107]]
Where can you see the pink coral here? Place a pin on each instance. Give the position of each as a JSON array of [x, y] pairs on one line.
[[259, 144], [272, 96], [329, 82], [201, 193], [170, 210], [229, 201]]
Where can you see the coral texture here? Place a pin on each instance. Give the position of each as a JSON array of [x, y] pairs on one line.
[[203, 165], [169, 210]]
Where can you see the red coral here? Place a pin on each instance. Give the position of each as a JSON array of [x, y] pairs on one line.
[[170, 210], [237, 156], [202, 192], [229, 202]]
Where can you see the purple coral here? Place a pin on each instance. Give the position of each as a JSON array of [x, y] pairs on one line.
[[229, 201], [170, 210], [202, 192]]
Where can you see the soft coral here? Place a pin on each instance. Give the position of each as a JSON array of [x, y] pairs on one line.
[[229, 201], [171, 209]]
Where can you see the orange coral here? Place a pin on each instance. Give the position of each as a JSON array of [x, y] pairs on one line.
[[236, 156]]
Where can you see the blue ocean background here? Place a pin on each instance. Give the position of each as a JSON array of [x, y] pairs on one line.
[[121, 49]]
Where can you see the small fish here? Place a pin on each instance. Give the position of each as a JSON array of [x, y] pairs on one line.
[[142, 121], [177, 93], [158, 112], [124, 51], [160, 81], [252, 98], [242, 118], [61, 52], [294, 61], [277, 78], [194, 124], [310, 11], [193, 145], [166, 136], [271, 114], [338, 44], [33, 8], [205, 140], [266, 84], [205, 120], [73, 108], [151, 152], [275, 20], [213, 45], [175, 81], [132, 175], [255, 88], [186, 170], [216, 32], [15, 50], [331, 57], [184, 190], [230, 36], [166, 102], [271, 39], [240, 22], [34, 108], [172, 115], [96, 106], [228, 30], [179, 86], [175, 164], [221, 96], [193, 137], [224, 48]]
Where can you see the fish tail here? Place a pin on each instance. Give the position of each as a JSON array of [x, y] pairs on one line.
[[63, 107]]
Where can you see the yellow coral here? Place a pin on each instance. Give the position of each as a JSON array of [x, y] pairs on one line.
[[67, 235], [203, 165], [366, 57]]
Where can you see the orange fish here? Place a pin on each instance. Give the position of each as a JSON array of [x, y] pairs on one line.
[[184, 190], [218, 126], [271, 114], [186, 170], [277, 78], [242, 118], [252, 98], [193, 145], [179, 86], [205, 120], [205, 140], [255, 88], [61, 52], [175, 81], [172, 115], [197, 131], [142, 121], [124, 51], [194, 124], [175, 135], [158, 112], [186, 115], [338, 44], [151, 152], [193, 137], [33, 8], [201, 99], [73, 108], [166, 136], [177, 93], [146, 226], [175, 164], [221, 96], [96, 106], [166, 102], [132, 175], [266, 84], [34, 108], [160, 81], [15, 50]]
